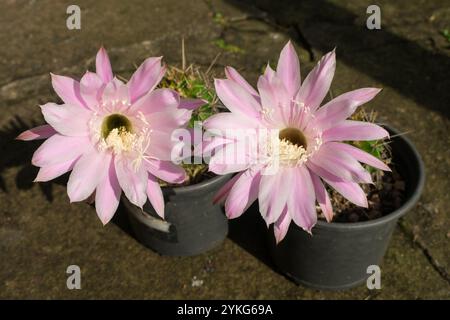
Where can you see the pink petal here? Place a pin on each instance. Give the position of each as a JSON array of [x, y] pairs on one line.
[[86, 174], [343, 106], [41, 132], [68, 90], [227, 120], [58, 149], [273, 194], [133, 181], [107, 196], [340, 164], [281, 226], [67, 119], [350, 130], [243, 193], [91, 89], [161, 145], [192, 104], [233, 75], [146, 78], [318, 81], [166, 171], [237, 99], [214, 142], [274, 96], [223, 192], [155, 195], [157, 101], [269, 73], [116, 96], [288, 69], [322, 197], [103, 66], [48, 173], [222, 169], [301, 200], [166, 121], [349, 190], [361, 156], [183, 116], [233, 157]]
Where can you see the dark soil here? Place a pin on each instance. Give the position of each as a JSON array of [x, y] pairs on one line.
[[384, 196]]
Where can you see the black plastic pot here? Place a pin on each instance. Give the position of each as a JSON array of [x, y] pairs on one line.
[[192, 225], [337, 255]]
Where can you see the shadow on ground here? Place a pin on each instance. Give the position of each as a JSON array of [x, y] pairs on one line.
[[395, 61]]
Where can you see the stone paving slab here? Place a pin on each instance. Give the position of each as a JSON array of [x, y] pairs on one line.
[[41, 233]]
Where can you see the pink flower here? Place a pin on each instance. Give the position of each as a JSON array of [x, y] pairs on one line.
[[113, 136], [308, 148]]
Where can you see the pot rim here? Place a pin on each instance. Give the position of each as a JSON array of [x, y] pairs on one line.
[[409, 203], [198, 186]]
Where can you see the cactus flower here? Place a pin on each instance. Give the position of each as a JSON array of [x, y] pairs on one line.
[[309, 147], [113, 136]]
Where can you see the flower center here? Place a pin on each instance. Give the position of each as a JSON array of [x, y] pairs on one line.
[[291, 146], [293, 136], [115, 121], [117, 133]]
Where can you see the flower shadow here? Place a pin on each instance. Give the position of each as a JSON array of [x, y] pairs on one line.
[[18, 154]]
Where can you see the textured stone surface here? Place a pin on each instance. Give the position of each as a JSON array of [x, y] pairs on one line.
[[41, 233]]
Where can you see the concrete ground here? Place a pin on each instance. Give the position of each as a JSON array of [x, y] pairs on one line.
[[41, 233]]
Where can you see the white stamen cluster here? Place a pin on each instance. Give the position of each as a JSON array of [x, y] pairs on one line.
[[120, 140], [286, 153], [133, 144]]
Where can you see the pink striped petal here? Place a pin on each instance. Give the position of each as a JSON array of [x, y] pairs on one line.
[[343, 106], [269, 73], [86, 174], [146, 78], [227, 120], [288, 69], [232, 157], [133, 182], [349, 190], [322, 197], [281, 226], [116, 95], [350, 130], [301, 200], [51, 172], [166, 171], [317, 83], [361, 156], [223, 192], [41, 132], [67, 119], [167, 120], [243, 193], [233, 75], [340, 164], [156, 101], [215, 142], [273, 194], [192, 104], [155, 195], [103, 66], [274, 97], [58, 149], [161, 145], [107, 195], [68, 90], [91, 89], [237, 99]]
